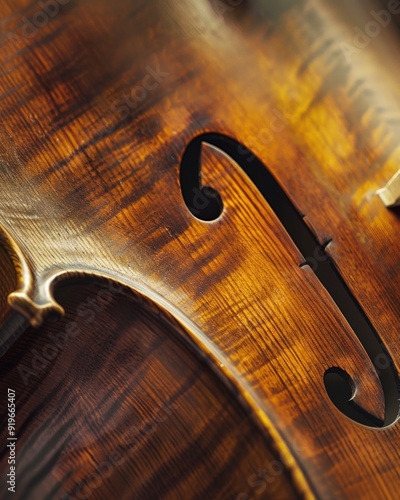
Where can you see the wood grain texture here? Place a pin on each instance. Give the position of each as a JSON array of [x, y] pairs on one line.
[[97, 109], [112, 403]]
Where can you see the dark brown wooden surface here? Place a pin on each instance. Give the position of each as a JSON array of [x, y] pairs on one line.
[[116, 406], [91, 183]]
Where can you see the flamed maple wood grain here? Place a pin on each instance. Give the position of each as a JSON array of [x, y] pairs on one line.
[[91, 184]]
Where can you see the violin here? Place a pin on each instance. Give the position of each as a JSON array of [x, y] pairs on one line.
[[199, 249]]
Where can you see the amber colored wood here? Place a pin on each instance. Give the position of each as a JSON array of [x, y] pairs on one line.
[[90, 187]]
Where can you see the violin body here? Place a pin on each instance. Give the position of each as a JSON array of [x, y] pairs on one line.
[[199, 280]]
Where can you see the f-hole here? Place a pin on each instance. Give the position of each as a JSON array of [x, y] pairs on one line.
[[338, 383]]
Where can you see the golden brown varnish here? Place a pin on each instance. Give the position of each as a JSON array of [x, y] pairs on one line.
[[104, 194]]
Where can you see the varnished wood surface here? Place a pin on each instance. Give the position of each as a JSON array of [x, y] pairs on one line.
[[89, 184], [117, 406]]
